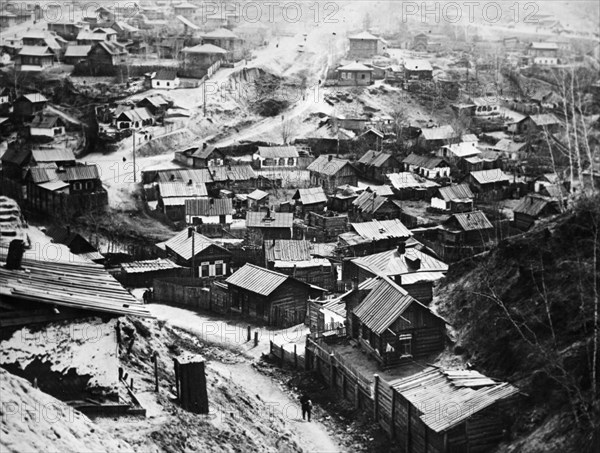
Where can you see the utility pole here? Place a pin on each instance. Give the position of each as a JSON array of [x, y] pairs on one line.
[[193, 230], [204, 95], [134, 175]]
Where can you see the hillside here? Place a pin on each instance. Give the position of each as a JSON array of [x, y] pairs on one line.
[[525, 313]]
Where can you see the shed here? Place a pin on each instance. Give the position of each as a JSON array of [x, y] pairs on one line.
[[453, 198], [308, 200], [256, 200], [208, 210], [330, 172], [376, 164], [532, 208]]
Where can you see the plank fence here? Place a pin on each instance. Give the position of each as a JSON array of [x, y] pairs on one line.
[[371, 394]]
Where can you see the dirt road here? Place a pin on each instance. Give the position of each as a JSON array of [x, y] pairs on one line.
[[312, 436]]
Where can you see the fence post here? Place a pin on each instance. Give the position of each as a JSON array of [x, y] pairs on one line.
[[282, 357], [256, 338], [270, 346], [393, 421], [307, 357], [376, 396], [356, 394], [331, 371], [249, 333], [295, 358]]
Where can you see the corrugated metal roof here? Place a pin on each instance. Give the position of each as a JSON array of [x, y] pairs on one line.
[[365, 35], [508, 146], [287, 250], [136, 114], [90, 287], [82, 172], [411, 279], [383, 305], [312, 195], [544, 119], [369, 202], [393, 263], [257, 195], [78, 51], [470, 221], [276, 152], [489, 176], [355, 66], [468, 391], [464, 149], [381, 229], [54, 185], [209, 207], [269, 220], [138, 267], [257, 279], [182, 244], [43, 174], [182, 189], [417, 65], [35, 51], [407, 180], [456, 192], [35, 97], [438, 133], [328, 165], [429, 162]]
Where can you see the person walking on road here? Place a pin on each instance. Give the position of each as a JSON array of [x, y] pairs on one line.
[[306, 404]]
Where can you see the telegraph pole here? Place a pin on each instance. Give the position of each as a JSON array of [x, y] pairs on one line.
[[134, 175]]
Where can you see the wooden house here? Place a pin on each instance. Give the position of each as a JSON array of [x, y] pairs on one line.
[[371, 237], [276, 157], [354, 74], [427, 166], [444, 411], [432, 138], [417, 70], [294, 258], [173, 195], [453, 198], [544, 53], [46, 125], [273, 297], [134, 118], [185, 9], [201, 156], [106, 55], [90, 37], [76, 243], [407, 265], [395, 328], [410, 186], [454, 152], [466, 229], [310, 200], [489, 184], [201, 60], [156, 105], [370, 205], [76, 53], [235, 178], [532, 208], [193, 250], [330, 172], [208, 211], [265, 225], [536, 124], [374, 165], [34, 58], [365, 45], [342, 199], [83, 179], [227, 40]]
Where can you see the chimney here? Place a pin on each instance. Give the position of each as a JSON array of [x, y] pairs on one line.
[[15, 254], [190, 232], [401, 248], [204, 146], [330, 158], [414, 262], [190, 182]]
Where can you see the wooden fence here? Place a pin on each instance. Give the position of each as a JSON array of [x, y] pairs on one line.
[[292, 358]]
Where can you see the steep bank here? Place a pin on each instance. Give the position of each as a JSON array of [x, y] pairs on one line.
[[527, 312]]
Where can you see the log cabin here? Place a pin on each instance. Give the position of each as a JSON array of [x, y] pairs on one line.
[[277, 299]]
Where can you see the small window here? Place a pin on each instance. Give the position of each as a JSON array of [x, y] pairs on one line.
[[205, 270], [89, 185], [291, 161], [77, 186], [157, 83], [405, 345], [362, 76], [168, 84], [219, 268]]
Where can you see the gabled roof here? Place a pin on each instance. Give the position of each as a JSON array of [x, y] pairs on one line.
[[489, 176], [408, 180], [544, 45], [328, 165], [544, 119], [232, 173], [417, 65], [269, 220], [136, 114], [257, 279], [394, 263], [64, 236], [429, 162], [384, 305], [196, 175], [369, 202], [374, 158], [187, 23], [438, 133], [310, 196], [287, 250], [436, 387], [456, 192], [78, 51], [112, 48], [36, 51], [155, 101], [464, 149], [532, 205], [356, 66], [204, 49], [165, 74], [42, 121], [182, 244], [208, 207], [471, 221], [381, 229], [82, 172], [277, 152], [506, 145], [139, 267]]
